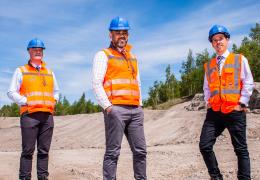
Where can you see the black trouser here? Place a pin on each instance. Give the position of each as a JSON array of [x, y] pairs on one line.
[[214, 125], [38, 127]]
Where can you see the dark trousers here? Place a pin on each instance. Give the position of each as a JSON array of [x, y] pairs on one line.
[[126, 120], [214, 125], [35, 127]]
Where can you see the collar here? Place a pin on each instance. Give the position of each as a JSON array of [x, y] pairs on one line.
[[225, 54], [43, 64]]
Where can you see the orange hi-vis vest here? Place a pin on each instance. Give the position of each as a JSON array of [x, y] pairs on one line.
[[120, 81], [225, 89], [38, 88]]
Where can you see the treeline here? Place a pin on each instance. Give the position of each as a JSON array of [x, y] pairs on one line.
[[191, 82], [82, 106], [9, 110], [63, 107], [192, 72]]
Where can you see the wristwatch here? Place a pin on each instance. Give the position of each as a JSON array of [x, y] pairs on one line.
[[242, 105]]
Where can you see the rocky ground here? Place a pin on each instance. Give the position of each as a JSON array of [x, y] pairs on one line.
[[172, 138]]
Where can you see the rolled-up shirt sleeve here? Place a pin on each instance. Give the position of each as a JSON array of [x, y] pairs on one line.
[[139, 84], [98, 73], [56, 88]]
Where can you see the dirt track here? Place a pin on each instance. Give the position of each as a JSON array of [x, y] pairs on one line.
[[172, 138]]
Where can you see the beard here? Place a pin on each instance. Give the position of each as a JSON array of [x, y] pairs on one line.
[[121, 43]]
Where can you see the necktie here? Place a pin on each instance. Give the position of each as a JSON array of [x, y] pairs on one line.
[[219, 60], [38, 68]]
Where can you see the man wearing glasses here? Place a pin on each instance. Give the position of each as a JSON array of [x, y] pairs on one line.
[[116, 85]]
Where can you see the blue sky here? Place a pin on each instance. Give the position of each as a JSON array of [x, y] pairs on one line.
[[74, 30]]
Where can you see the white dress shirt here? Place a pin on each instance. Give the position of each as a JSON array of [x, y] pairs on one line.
[[14, 89], [98, 74], [246, 78]]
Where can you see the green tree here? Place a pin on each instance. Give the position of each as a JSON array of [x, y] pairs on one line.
[[163, 91], [10, 110], [66, 106], [62, 107], [188, 65], [81, 105], [172, 85], [250, 48], [186, 72]]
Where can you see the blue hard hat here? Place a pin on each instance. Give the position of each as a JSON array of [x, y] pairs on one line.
[[119, 23], [218, 29], [35, 43]]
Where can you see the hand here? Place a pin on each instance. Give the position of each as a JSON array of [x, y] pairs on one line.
[[239, 108], [24, 104], [208, 106], [108, 109]]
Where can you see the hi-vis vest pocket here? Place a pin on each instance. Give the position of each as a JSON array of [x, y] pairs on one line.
[[229, 77]]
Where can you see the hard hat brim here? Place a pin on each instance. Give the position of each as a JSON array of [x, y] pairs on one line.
[[119, 28], [227, 35], [35, 47]]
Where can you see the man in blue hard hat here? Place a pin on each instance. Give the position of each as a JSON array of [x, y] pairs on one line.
[[228, 85], [34, 88], [117, 87]]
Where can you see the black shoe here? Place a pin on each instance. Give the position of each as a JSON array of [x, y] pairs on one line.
[[25, 178], [216, 178], [42, 178]]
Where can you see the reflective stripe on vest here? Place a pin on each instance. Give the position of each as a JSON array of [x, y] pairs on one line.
[[120, 58], [38, 88], [38, 93], [122, 92], [36, 73], [236, 74], [120, 83], [225, 90], [30, 103]]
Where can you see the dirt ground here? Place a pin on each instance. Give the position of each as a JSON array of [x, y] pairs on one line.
[[172, 138]]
